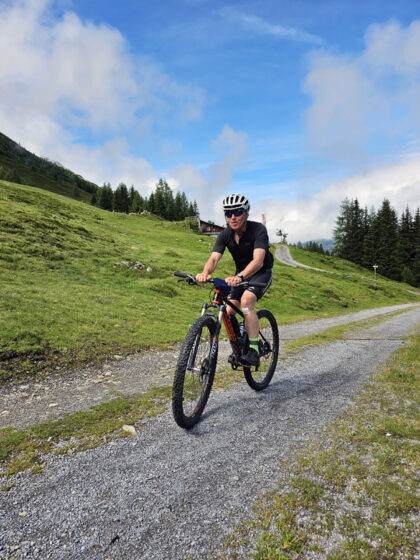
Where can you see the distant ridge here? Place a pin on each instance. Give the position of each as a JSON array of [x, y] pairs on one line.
[[18, 165]]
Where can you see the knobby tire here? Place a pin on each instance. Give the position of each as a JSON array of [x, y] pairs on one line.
[[192, 385], [259, 380]]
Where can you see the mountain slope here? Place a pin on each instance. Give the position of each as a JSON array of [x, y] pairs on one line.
[[20, 165], [72, 290]]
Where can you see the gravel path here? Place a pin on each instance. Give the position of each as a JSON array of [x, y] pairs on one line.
[[60, 392], [170, 494], [283, 255]]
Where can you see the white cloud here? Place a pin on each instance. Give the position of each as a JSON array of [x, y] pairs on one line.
[[365, 110], [262, 27], [110, 162], [61, 76], [367, 100], [314, 217], [209, 187], [392, 48]]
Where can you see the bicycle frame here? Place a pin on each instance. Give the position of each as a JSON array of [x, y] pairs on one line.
[[219, 302]]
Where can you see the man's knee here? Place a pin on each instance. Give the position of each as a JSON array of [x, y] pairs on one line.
[[248, 301]]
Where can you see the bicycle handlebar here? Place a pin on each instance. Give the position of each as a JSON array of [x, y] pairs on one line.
[[190, 278], [186, 278]]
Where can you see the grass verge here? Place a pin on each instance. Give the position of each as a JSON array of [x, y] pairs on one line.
[[358, 497], [26, 448]]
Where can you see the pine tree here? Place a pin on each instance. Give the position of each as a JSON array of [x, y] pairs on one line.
[[151, 203], [184, 204], [166, 194], [370, 240], [169, 206], [131, 195], [407, 236], [178, 214], [162, 202], [389, 247], [121, 201], [348, 235], [313, 247], [138, 203], [159, 203], [416, 261], [105, 197]]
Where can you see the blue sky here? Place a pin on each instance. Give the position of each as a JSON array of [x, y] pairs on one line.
[[296, 104]]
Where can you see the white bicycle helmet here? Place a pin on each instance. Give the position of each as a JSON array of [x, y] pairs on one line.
[[235, 201]]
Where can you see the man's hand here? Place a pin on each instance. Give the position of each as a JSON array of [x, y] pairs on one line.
[[233, 280], [209, 267], [202, 277]]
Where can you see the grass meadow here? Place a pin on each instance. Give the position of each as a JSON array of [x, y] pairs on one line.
[[65, 300]]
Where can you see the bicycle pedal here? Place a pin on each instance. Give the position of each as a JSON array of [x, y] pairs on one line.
[[233, 361]]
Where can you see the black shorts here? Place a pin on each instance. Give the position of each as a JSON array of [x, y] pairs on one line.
[[260, 277]]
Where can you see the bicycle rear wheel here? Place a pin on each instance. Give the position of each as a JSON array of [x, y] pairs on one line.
[[194, 375], [268, 346]]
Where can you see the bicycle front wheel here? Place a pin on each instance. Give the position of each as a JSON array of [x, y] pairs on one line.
[[194, 374], [268, 346]]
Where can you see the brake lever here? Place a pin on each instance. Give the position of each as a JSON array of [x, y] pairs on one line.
[[191, 281]]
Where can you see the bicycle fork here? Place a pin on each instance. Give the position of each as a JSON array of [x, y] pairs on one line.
[[214, 343]]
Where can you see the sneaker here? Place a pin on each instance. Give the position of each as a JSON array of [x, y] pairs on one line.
[[251, 357]]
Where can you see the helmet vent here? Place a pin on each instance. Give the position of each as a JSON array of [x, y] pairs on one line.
[[235, 201]]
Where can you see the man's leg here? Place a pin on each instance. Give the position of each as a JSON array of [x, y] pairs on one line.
[[229, 309], [248, 301]]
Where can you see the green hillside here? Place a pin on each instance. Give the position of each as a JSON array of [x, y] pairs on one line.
[[66, 299], [19, 165]]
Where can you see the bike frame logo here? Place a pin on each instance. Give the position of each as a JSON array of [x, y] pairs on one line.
[[214, 346]]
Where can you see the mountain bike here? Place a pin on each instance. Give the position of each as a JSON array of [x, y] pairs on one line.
[[197, 360]]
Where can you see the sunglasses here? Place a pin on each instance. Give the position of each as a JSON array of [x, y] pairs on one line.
[[238, 212]]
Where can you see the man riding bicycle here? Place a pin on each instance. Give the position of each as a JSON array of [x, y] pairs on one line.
[[247, 241]]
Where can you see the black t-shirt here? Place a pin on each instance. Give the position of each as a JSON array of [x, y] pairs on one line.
[[254, 237]]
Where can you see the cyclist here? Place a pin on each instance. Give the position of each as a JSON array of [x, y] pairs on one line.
[[247, 241]]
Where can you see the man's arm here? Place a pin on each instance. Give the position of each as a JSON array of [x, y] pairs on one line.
[[250, 269], [209, 267]]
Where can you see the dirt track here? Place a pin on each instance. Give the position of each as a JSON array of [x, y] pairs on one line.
[[65, 392]]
